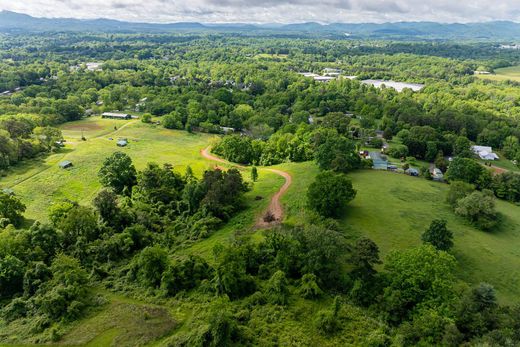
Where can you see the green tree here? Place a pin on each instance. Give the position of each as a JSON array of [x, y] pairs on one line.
[[464, 169], [338, 121], [118, 172], [106, 204], [65, 295], [48, 137], [254, 174], [365, 255], [462, 148], [173, 121], [418, 278], [438, 235], [338, 154], [11, 275], [149, 266], [329, 193], [237, 149], [11, 208], [79, 226]]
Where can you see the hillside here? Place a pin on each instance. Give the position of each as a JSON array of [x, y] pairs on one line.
[[499, 30]]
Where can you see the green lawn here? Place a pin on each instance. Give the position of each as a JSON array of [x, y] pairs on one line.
[[508, 73], [503, 163], [119, 322], [394, 209], [41, 182]]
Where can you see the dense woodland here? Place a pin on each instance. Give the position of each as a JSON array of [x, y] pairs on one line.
[[130, 239]]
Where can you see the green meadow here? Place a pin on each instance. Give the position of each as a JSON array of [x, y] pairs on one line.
[[41, 182], [395, 209], [508, 73], [392, 209]]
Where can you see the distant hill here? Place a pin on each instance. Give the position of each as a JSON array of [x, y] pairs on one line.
[[498, 30]]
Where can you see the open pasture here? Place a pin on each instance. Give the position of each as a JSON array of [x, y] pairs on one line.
[[41, 182]]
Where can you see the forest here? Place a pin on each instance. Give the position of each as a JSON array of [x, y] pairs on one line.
[[304, 280]]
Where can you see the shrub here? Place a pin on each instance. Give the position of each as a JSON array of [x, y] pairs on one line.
[[146, 118], [277, 289], [309, 289], [479, 209], [398, 151]]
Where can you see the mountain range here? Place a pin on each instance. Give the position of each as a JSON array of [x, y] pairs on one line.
[[497, 30]]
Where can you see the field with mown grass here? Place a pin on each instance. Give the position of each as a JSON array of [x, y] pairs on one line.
[[508, 73], [41, 182], [394, 210]]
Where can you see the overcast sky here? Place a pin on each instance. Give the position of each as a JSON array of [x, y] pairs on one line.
[[271, 11]]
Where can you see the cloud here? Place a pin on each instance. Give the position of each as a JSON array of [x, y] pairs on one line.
[[269, 11]]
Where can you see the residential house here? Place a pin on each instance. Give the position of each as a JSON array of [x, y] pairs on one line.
[[485, 152]]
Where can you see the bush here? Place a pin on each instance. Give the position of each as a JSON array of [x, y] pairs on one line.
[[146, 118], [457, 191], [398, 151], [327, 321], [149, 266], [309, 289], [479, 209], [277, 289]]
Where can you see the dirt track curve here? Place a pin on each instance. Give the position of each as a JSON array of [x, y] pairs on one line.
[[275, 206]]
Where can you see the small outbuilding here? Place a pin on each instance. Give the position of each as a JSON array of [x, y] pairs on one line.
[[113, 115], [122, 143], [65, 164], [8, 191]]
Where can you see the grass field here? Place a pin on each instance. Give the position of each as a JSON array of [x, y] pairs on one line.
[[508, 73], [395, 209], [39, 183], [392, 209]]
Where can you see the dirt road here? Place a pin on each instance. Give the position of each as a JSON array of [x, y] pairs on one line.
[[275, 208]]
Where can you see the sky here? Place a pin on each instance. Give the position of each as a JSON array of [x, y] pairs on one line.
[[272, 11]]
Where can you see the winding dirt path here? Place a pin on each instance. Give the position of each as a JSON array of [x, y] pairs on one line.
[[275, 208]]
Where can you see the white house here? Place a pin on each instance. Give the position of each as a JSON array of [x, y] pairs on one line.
[[94, 66], [324, 78], [309, 74], [485, 152]]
